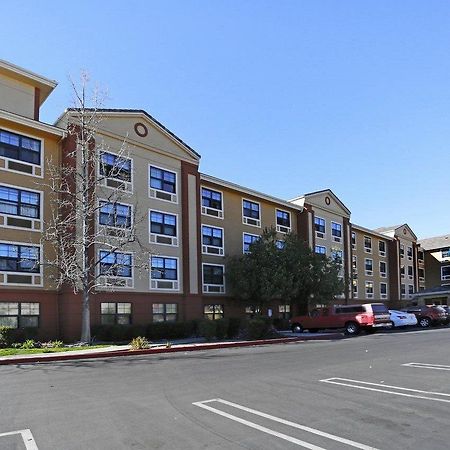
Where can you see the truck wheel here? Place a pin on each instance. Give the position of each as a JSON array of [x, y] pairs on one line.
[[351, 328], [424, 322], [297, 328]]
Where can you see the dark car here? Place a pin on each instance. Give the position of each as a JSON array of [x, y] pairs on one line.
[[447, 313], [428, 315]]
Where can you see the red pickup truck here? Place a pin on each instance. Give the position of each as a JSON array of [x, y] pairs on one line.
[[353, 318]]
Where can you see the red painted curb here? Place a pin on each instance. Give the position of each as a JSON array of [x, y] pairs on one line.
[[154, 351]]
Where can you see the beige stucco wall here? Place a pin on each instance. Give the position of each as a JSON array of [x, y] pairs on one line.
[[16, 97]]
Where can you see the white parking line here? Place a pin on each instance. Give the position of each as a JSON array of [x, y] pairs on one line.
[[27, 437], [427, 366], [387, 389], [279, 420]]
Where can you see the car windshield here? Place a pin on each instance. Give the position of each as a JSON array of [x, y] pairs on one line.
[[379, 309]]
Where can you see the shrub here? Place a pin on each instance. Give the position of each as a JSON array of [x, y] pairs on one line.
[[52, 344], [207, 329], [10, 335], [6, 336], [234, 326], [281, 324], [30, 343], [222, 328], [139, 343], [260, 328]]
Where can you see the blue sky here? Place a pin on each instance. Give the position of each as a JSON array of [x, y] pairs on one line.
[[285, 97]]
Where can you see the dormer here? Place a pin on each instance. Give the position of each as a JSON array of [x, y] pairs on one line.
[[23, 92]]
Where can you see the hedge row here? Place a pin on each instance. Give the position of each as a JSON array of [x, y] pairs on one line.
[[9, 336]]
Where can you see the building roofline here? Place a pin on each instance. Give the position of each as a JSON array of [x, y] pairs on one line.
[[369, 231], [237, 187], [22, 120], [304, 196]]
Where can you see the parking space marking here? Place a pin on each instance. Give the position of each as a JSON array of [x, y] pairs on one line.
[[387, 389], [427, 366], [28, 439], [291, 439]]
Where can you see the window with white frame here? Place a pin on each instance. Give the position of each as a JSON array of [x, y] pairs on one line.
[[402, 289], [283, 221], [112, 313], [19, 258], [115, 167], [367, 244], [410, 289], [248, 240], [319, 227], [382, 248], [163, 228], [421, 274], [369, 289], [115, 264], [20, 148], [409, 253], [212, 240], [383, 290], [353, 240], [383, 269], [116, 215], [164, 312], [251, 213], [213, 278], [445, 273], [420, 255], [252, 310], [212, 203], [402, 271], [355, 288], [402, 251], [164, 272], [213, 312], [336, 255], [336, 231], [19, 202], [410, 272], [368, 265], [163, 184], [445, 253], [320, 250], [354, 264], [19, 314]]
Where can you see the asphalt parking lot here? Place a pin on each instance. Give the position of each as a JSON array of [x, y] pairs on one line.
[[382, 391]]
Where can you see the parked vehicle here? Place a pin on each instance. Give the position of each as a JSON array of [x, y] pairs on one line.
[[402, 319], [353, 318], [446, 310], [427, 315]]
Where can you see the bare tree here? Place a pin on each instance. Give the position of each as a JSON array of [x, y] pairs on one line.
[[80, 222]]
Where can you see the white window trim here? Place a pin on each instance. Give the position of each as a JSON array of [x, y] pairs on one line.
[[249, 234], [221, 286], [128, 184], [99, 200], [128, 285], [351, 236], [321, 246], [336, 238], [368, 294], [176, 283], [41, 164], [355, 294], [381, 253], [155, 235], [444, 277], [384, 296], [177, 187], [41, 210], [280, 227], [367, 249], [258, 221], [221, 249], [368, 273], [318, 234], [33, 275], [204, 209]]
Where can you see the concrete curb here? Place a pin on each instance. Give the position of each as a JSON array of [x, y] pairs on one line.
[[38, 358]]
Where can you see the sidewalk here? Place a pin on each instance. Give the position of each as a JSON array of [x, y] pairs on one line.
[[181, 346]]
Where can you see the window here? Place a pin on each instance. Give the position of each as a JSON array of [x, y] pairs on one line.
[[410, 289], [383, 290], [367, 244], [410, 272], [212, 204], [284, 311], [212, 237], [251, 213], [163, 224], [353, 240], [19, 315], [421, 274], [402, 289], [115, 215], [382, 248], [283, 221], [355, 288], [409, 252], [402, 271], [165, 312], [336, 231], [336, 255], [115, 313], [115, 264], [164, 268], [445, 253], [213, 278], [213, 312], [320, 250], [251, 311], [369, 289], [163, 180], [247, 240], [368, 264], [319, 226], [19, 258], [354, 264], [420, 255], [20, 148], [445, 273], [115, 167], [383, 269], [402, 251], [17, 202]]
